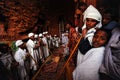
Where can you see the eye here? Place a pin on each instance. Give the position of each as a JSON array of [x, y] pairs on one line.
[[103, 38], [96, 36]]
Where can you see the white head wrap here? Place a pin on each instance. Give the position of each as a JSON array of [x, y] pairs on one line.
[[92, 12], [40, 35], [30, 34], [18, 43], [35, 36], [44, 33]]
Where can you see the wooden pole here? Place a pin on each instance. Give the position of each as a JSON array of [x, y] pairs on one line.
[[38, 72], [71, 54], [33, 59]]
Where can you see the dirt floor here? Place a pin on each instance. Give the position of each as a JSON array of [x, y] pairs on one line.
[[51, 68]]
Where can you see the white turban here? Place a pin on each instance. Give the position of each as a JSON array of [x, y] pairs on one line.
[[30, 34], [92, 12], [35, 36], [44, 33], [18, 43], [40, 35]]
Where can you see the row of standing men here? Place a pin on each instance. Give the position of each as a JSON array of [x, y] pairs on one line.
[[32, 53], [24, 57]]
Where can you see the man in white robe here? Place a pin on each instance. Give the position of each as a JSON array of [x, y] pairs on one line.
[[20, 56], [41, 46], [30, 46], [45, 47], [36, 50]]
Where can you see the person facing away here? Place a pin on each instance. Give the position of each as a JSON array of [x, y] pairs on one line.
[[88, 64]]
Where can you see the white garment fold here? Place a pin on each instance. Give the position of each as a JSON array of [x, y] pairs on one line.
[[88, 64]]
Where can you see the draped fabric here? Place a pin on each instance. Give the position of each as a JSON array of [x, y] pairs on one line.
[[88, 64], [111, 63], [20, 57], [91, 12], [45, 47], [30, 46]]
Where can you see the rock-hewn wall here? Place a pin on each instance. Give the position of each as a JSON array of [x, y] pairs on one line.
[[21, 15]]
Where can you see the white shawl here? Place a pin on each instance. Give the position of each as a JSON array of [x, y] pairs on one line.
[[88, 64]]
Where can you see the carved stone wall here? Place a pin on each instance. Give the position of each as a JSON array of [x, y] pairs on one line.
[[21, 15]]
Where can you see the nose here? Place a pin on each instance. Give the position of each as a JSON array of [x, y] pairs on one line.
[[97, 39], [103, 20]]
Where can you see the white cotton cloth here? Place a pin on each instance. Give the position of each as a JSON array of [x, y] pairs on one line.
[[92, 12], [30, 46], [40, 35], [90, 34], [88, 65], [35, 36], [20, 57], [30, 34], [45, 47], [18, 43]]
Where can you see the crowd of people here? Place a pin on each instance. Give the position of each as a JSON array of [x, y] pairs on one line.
[[95, 58], [28, 55], [98, 54]]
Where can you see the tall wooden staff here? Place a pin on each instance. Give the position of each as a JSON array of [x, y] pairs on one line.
[[71, 54], [33, 59]]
